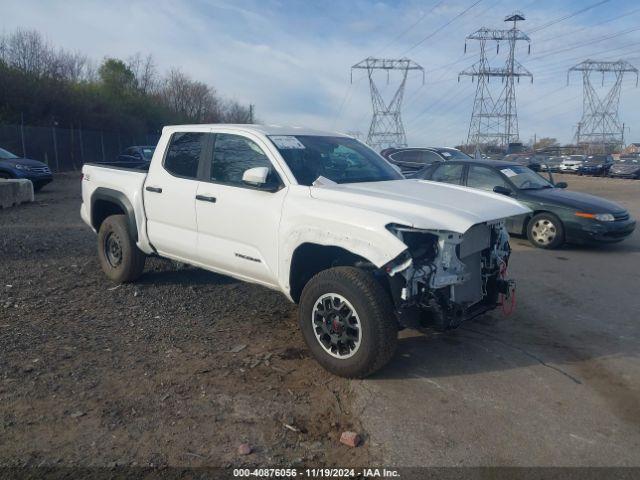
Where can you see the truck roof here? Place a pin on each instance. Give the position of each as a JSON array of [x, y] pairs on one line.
[[255, 128]]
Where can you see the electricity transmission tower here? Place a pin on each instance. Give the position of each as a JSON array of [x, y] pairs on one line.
[[495, 122], [600, 127], [386, 128]]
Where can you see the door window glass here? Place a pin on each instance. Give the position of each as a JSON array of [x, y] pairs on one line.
[[484, 178], [233, 155], [183, 154], [448, 173]]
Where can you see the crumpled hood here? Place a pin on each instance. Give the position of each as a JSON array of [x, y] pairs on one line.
[[423, 204]]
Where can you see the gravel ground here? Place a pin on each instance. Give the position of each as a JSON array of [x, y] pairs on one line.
[[177, 369]]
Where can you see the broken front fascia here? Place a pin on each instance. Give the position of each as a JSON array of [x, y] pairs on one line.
[[439, 265]]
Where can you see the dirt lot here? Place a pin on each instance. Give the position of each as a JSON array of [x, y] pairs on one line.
[[146, 374]]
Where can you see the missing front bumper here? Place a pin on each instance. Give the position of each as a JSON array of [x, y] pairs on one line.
[[458, 278]]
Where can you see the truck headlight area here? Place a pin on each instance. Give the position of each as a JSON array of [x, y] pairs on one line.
[[448, 276]]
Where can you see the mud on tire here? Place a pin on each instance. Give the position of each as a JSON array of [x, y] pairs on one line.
[[120, 258], [325, 306]]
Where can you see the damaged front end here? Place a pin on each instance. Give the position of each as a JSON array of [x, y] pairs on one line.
[[444, 278]]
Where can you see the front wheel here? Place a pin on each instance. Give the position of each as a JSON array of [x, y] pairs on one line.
[[347, 321], [120, 258], [545, 230]]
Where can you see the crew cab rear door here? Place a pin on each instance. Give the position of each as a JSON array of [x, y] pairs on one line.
[[238, 223], [170, 194]]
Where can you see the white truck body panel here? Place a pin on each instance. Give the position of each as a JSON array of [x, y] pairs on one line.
[[130, 183], [423, 204], [252, 234]]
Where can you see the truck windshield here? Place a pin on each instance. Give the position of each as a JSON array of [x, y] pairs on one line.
[[6, 155], [340, 159]]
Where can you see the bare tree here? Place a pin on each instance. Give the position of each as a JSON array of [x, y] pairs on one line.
[[146, 73], [27, 51], [72, 67], [233, 112], [192, 100]]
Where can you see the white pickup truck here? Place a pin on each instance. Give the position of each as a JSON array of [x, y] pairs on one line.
[[318, 216]]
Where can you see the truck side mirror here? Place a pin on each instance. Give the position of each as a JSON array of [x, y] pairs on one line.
[[561, 185], [256, 177], [502, 190]]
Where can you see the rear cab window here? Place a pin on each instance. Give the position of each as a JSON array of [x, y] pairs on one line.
[[183, 154]]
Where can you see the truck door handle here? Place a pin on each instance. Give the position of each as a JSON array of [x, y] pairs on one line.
[[153, 189], [205, 198]]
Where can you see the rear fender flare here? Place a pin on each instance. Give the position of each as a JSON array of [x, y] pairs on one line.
[[117, 198]]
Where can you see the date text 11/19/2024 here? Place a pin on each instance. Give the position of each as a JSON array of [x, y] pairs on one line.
[[316, 473]]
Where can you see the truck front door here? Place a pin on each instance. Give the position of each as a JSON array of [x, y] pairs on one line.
[[238, 223]]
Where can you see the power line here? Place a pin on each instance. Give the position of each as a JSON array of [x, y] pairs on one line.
[[573, 32], [566, 17], [437, 30], [550, 52], [412, 26]]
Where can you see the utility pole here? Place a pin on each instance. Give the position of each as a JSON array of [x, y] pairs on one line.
[[600, 124], [386, 128], [495, 122], [251, 109]]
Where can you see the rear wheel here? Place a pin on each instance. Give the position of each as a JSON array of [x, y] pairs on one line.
[[347, 321], [545, 230], [121, 260]]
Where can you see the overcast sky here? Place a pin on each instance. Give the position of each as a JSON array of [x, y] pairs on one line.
[[292, 58]]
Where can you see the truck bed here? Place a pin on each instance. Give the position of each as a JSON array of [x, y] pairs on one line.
[[125, 183]]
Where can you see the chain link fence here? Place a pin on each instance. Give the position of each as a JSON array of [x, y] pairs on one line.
[[67, 150]]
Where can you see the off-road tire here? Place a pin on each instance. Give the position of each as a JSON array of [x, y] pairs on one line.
[[379, 328], [557, 241], [131, 263]]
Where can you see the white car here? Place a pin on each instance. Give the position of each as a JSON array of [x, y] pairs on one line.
[[571, 164], [318, 216]]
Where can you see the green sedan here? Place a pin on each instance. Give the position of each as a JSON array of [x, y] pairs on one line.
[[558, 215]]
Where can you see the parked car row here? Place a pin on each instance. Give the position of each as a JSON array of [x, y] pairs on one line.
[[412, 159], [558, 215]]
